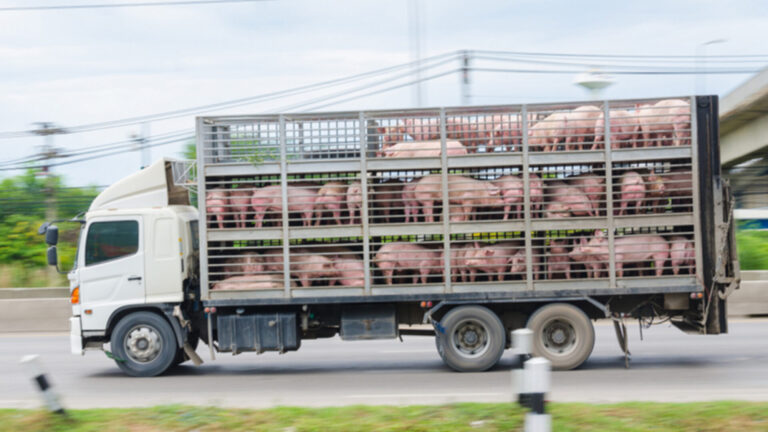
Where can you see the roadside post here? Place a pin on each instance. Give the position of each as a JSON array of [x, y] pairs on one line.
[[35, 368]]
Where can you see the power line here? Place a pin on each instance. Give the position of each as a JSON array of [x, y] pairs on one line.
[[616, 72], [630, 56], [231, 103], [122, 5], [600, 63]]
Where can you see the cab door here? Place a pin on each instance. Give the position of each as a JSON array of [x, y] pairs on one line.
[[112, 272]]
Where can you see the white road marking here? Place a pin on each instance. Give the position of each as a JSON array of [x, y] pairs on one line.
[[423, 395]]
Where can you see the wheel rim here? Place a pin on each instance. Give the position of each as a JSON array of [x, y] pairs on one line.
[[143, 343], [558, 337], [470, 339]]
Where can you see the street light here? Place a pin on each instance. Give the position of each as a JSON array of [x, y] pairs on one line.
[[594, 81], [701, 65]]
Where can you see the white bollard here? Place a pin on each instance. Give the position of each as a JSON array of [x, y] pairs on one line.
[[522, 342], [535, 386], [51, 399]]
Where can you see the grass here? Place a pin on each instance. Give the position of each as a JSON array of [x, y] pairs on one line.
[[706, 416]]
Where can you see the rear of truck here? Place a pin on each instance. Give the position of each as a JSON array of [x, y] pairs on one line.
[[478, 220]]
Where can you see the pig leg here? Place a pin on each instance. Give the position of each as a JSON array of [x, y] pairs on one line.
[[424, 274], [259, 217], [619, 268], [507, 208], [337, 216], [658, 262], [304, 280], [427, 206], [388, 275], [568, 271]]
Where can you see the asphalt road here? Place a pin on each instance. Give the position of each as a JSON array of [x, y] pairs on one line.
[[667, 366]]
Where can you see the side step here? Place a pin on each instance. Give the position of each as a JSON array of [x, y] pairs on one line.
[[688, 328]]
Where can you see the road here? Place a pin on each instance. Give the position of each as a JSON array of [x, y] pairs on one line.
[[667, 366]]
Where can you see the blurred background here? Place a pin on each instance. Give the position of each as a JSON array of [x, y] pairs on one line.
[[93, 90]]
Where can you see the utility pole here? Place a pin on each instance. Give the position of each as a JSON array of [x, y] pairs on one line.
[[465, 89], [47, 130], [141, 143]]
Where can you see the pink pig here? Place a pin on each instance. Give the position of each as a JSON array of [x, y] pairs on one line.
[[217, 205]]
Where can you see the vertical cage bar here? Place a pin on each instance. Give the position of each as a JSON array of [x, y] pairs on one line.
[[527, 203], [609, 195], [202, 225], [285, 213], [445, 218], [695, 190], [364, 215]]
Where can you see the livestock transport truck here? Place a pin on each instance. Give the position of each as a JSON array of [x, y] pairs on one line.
[[474, 221]]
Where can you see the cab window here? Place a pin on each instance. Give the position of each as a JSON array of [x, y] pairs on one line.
[[111, 240]]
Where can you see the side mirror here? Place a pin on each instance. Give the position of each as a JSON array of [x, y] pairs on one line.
[[53, 257], [43, 228], [52, 235]]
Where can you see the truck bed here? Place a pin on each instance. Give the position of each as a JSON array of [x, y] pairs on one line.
[[310, 256]]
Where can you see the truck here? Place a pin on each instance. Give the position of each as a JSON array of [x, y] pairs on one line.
[[458, 223]]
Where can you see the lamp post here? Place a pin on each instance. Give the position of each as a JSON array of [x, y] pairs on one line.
[[701, 65]]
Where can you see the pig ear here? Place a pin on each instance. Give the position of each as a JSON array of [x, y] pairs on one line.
[[599, 233], [488, 252]]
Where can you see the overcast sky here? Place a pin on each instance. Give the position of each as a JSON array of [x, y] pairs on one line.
[[79, 67]]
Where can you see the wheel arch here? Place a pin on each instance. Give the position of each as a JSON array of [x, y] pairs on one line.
[[163, 310]]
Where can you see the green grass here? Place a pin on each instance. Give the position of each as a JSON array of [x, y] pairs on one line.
[[708, 416]]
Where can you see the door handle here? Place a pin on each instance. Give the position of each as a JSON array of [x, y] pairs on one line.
[[134, 278]]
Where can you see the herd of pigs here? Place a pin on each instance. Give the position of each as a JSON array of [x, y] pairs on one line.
[[500, 261], [667, 122], [638, 190]]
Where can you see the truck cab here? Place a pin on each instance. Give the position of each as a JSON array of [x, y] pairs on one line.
[[137, 252]]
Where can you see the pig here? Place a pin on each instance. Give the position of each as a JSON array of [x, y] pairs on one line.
[[511, 188], [682, 253], [458, 261], [566, 200], [350, 271], [273, 260], [625, 128], [632, 191], [306, 266], [466, 132], [655, 192], [629, 249], [424, 149], [464, 193], [386, 197], [331, 197], [584, 254], [217, 205], [558, 260], [249, 263], [252, 282], [410, 203], [398, 256], [581, 126], [547, 134], [593, 187], [268, 199], [355, 200], [493, 260], [667, 121], [518, 265], [240, 203], [505, 134], [422, 129], [390, 135]]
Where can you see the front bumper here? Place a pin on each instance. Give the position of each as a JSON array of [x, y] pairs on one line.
[[75, 336]]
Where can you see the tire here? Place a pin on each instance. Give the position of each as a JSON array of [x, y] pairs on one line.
[[474, 339], [193, 338], [143, 344], [563, 334]]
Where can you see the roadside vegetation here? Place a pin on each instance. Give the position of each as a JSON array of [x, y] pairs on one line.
[[709, 416]]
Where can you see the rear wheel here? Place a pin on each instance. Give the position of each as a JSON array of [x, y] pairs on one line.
[[143, 344], [472, 340], [563, 334]]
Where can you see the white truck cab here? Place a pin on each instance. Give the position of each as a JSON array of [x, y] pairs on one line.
[[137, 248]]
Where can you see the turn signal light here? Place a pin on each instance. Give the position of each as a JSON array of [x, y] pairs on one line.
[[74, 297], [695, 296]]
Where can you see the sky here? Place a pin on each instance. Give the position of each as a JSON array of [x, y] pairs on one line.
[[84, 66]]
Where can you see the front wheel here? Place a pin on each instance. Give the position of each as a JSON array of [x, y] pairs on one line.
[[563, 334], [472, 339], [143, 344]]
